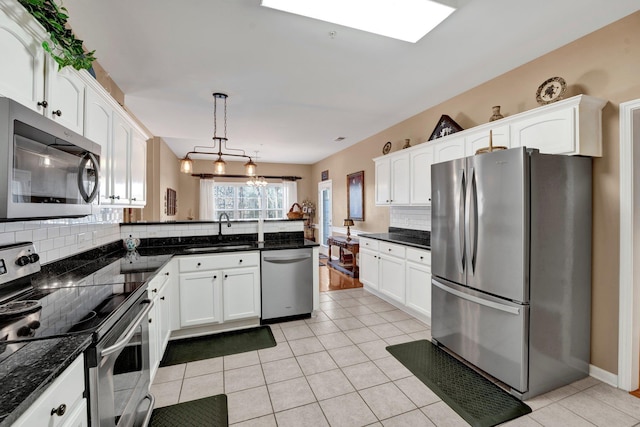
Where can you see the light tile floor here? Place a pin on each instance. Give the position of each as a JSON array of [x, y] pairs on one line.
[[333, 370]]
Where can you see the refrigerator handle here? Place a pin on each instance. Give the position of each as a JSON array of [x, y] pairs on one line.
[[471, 220], [476, 300], [459, 223]]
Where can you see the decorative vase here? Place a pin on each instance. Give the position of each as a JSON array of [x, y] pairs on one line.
[[496, 113], [407, 143], [131, 243]]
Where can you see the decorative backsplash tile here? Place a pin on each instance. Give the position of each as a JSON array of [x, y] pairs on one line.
[[411, 217]]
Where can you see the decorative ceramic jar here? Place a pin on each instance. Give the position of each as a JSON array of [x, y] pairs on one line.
[[131, 243], [407, 143], [496, 113]]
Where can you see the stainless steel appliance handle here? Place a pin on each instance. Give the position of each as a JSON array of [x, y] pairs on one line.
[[89, 158], [459, 223], [474, 299], [132, 329], [287, 260], [147, 416], [471, 221]]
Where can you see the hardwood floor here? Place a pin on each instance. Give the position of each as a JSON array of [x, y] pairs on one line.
[[635, 393], [332, 280]]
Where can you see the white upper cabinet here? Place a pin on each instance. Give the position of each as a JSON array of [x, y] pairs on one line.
[[570, 127], [31, 77], [22, 71], [138, 169], [421, 161], [393, 180], [65, 96]]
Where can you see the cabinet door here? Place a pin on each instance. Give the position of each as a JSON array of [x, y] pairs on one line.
[[392, 277], [98, 116], [383, 182], [65, 93], [200, 298], [78, 417], [449, 150], [369, 268], [138, 172], [551, 133], [418, 279], [154, 354], [22, 71], [421, 162], [164, 318], [119, 194], [241, 293], [400, 180], [480, 139]]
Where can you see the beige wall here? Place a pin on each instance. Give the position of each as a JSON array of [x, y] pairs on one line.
[[162, 173], [605, 64]]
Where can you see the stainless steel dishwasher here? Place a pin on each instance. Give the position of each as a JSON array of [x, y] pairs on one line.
[[287, 283]]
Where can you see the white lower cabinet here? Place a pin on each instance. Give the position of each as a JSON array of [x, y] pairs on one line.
[[398, 274], [391, 271], [418, 281], [219, 288], [62, 404], [160, 292]]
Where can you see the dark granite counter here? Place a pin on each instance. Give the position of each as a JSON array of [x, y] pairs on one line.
[[26, 374], [414, 238]]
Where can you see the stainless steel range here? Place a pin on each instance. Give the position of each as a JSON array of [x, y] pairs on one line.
[[103, 298]]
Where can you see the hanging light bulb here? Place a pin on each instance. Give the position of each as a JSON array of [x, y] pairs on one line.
[[186, 165], [219, 166], [250, 168]]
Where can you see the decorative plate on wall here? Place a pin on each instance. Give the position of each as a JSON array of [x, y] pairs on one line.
[[386, 148], [551, 90]]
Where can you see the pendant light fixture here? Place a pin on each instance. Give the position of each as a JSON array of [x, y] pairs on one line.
[[219, 166]]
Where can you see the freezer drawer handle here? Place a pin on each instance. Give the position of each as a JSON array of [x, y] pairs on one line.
[[288, 260], [471, 298]]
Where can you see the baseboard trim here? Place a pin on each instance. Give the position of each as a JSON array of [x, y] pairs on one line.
[[604, 376]]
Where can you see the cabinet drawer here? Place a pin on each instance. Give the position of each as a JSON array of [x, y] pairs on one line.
[[370, 244], [216, 262], [67, 389], [392, 249], [419, 256]]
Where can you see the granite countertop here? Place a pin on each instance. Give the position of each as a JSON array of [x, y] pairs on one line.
[[27, 373], [417, 239]]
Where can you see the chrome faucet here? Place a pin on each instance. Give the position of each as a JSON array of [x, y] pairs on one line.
[[220, 223]]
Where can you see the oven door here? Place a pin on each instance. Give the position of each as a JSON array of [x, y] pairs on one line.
[[119, 380]]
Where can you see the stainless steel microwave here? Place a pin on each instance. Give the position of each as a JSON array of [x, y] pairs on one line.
[[46, 170]]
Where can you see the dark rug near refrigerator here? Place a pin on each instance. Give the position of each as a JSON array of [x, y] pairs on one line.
[[221, 344], [476, 399], [207, 412]]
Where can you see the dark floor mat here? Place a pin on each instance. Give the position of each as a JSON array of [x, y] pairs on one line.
[[216, 345], [207, 412], [476, 399]]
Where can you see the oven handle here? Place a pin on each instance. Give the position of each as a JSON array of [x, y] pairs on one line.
[[132, 330], [147, 417]]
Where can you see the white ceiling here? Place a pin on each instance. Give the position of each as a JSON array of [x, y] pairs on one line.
[[293, 88]]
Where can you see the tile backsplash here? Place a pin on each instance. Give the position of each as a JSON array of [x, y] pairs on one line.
[[58, 238], [169, 229], [411, 217]]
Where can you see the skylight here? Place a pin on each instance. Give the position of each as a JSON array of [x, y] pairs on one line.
[[407, 20]]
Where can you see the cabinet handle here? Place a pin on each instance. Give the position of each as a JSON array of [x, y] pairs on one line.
[[57, 113], [150, 320], [225, 276], [389, 249], [154, 290], [215, 277], [240, 261], [166, 274], [162, 298], [60, 410], [133, 199], [112, 197], [198, 265], [421, 257], [43, 104]]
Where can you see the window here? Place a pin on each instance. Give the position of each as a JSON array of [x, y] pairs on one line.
[[241, 201]]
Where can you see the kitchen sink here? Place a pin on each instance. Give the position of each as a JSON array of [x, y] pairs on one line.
[[220, 248]]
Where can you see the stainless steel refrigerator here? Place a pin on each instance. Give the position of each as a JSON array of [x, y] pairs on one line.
[[511, 265]]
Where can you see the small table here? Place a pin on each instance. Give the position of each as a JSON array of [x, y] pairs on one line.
[[346, 263]]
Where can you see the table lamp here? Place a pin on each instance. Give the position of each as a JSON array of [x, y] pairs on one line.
[[348, 222]]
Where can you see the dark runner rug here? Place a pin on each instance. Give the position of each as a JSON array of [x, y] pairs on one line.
[[222, 344], [476, 399], [207, 412]]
